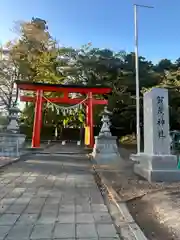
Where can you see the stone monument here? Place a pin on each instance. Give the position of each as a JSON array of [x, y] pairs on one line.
[[156, 163], [105, 151]]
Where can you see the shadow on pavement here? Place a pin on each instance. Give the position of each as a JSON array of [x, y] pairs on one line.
[[52, 164]]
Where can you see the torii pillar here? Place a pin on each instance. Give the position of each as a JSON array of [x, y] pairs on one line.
[[37, 119]]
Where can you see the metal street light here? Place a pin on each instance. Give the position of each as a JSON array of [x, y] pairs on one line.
[[138, 133]]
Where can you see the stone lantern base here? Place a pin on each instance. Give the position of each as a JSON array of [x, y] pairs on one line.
[[11, 141], [105, 151], [11, 144]]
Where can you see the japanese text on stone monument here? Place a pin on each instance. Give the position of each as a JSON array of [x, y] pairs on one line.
[[160, 116]]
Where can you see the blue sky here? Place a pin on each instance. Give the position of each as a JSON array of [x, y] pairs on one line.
[[105, 23]]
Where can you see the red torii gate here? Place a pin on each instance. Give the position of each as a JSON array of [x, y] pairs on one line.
[[39, 88]]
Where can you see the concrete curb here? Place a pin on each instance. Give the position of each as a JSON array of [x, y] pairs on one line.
[[112, 209], [125, 224]]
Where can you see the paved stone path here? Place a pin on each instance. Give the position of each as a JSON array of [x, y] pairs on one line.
[[52, 198], [68, 148], [6, 160]]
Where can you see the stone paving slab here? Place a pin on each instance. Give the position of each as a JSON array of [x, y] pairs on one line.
[[52, 201]]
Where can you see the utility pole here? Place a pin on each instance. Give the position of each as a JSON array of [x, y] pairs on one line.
[[138, 132]]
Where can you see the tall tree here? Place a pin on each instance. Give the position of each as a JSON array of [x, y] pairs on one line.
[[164, 65], [9, 73], [36, 52]]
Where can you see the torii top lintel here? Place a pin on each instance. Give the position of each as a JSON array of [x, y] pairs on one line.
[[46, 87]]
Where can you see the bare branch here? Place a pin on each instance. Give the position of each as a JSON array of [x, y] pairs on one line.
[[8, 74]]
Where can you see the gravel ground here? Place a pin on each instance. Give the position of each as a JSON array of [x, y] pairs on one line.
[[157, 214], [155, 206]]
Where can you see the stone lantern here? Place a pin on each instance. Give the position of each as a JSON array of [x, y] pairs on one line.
[[12, 133], [13, 125], [105, 129], [105, 151]]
